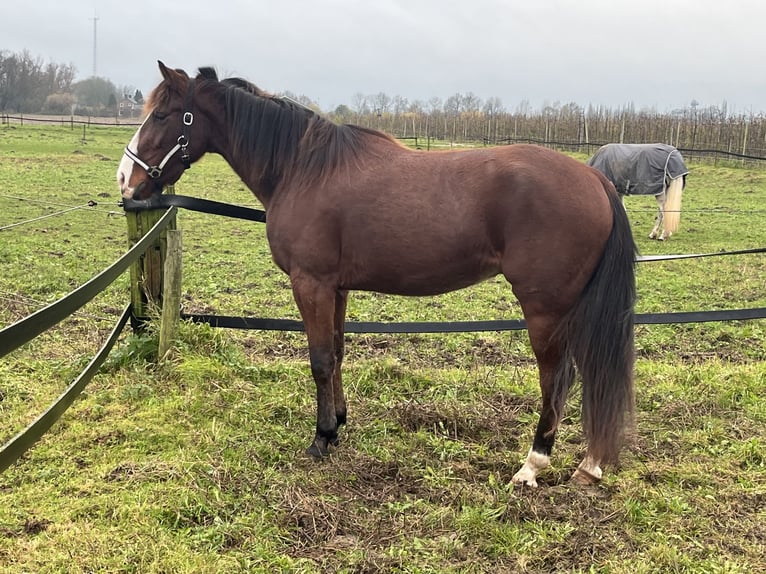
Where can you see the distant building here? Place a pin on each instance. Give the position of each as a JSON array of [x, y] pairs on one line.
[[128, 107]]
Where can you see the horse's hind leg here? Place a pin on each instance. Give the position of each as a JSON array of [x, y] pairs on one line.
[[317, 303], [556, 371]]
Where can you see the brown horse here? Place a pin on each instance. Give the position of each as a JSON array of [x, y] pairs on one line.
[[350, 208]]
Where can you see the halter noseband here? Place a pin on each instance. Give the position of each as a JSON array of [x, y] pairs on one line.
[[182, 144]]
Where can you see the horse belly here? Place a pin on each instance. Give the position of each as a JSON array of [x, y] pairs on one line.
[[423, 265]]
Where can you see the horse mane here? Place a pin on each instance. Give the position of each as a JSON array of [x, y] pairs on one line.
[[287, 137]]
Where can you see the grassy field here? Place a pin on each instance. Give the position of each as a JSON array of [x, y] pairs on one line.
[[196, 464]]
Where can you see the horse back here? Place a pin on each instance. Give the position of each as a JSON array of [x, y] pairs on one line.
[[423, 223]]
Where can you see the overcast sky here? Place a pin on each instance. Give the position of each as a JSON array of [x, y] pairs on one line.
[[658, 54]]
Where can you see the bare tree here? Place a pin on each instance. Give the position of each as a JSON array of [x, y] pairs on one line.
[[493, 109], [26, 82], [381, 103], [360, 106]]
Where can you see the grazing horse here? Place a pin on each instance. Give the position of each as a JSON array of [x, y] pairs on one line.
[[647, 169], [350, 208]]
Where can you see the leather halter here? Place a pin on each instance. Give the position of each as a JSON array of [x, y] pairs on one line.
[[182, 144]]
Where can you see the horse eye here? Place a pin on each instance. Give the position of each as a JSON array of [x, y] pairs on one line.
[[159, 116]]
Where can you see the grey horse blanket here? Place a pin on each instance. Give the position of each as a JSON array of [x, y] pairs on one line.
[[639, 169]]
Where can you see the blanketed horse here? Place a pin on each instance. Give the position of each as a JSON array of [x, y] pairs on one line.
[[350, 208], [647, 169]]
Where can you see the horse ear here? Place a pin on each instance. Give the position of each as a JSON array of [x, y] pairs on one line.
[[175, 77], [164, 70], [207, 73]]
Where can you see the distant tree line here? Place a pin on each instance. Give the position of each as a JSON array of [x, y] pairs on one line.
[[468, 118], [29, 85]]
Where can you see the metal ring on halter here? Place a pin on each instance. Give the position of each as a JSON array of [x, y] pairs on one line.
[[183, 141], [154, 172]]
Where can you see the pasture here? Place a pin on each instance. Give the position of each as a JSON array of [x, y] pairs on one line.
[[195, 463]]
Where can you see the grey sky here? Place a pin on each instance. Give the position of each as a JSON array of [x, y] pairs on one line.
[[654, 53]]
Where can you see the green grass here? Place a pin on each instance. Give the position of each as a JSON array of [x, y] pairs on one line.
[[196, 464]]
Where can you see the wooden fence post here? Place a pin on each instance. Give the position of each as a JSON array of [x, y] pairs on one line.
[[171, 292], [147, 272]]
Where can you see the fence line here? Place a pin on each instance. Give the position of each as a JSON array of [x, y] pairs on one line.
[[70, 121], [46, 216], [23, 441], [26, 329], [590, 147]]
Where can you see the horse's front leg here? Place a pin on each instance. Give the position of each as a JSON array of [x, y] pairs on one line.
[[317, 305], [660, 216]]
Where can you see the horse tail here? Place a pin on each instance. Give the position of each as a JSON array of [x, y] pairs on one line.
[[599, 337], [672, 209]]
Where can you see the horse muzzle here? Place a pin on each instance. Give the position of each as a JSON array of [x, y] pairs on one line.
[[144, 190]]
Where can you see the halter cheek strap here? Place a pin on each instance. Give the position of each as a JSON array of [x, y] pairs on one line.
[[154, 171], [182, 144]]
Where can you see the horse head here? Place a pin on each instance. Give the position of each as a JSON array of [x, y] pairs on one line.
[[169, 140]]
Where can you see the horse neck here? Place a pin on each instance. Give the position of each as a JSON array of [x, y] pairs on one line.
[[260, 141], [262, 187]]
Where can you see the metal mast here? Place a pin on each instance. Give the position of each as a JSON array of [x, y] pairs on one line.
[[95, 26]]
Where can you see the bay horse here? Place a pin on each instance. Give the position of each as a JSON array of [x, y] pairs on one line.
[[647, 169], [349, 208]]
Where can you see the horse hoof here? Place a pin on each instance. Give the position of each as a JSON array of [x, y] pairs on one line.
[[524, 478], [318, 448], [584, 478]]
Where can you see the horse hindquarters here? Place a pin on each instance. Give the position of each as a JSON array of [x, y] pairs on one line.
[[596, 335]]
